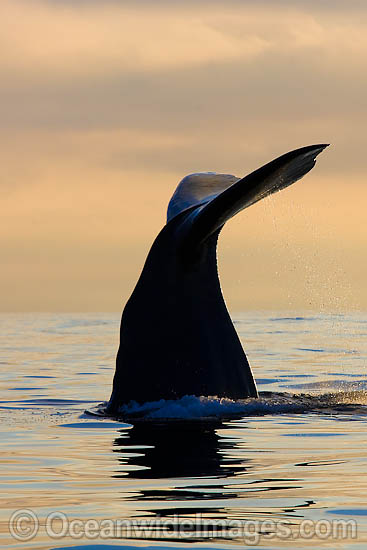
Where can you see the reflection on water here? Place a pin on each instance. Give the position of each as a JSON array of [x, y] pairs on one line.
[[205, 465], [183, 449], [285, 465]]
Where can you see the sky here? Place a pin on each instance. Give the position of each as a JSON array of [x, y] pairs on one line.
[[106, 105]]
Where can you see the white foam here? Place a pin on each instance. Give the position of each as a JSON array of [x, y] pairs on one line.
[[188, 406], [192, 407]]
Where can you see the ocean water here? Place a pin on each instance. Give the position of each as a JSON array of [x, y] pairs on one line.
[[285, 471]]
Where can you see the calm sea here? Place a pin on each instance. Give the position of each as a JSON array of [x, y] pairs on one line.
[[285, 471]]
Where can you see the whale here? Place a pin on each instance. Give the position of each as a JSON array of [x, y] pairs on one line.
[[176, 335]]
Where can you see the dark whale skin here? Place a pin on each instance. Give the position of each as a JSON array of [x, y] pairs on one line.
[[176, 335]]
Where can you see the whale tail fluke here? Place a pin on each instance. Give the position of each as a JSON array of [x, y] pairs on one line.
[[177, 337], [219, 197]]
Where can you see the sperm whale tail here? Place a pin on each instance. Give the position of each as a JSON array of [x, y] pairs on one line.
[[176, 336], [219, 197]]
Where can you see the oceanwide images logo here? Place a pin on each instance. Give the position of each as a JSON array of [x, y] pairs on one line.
[[25, 525]]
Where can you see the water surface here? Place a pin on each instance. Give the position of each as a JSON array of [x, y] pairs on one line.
[[297, 454]]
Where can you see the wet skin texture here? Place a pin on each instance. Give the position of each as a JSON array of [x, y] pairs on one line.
[[176, 335]]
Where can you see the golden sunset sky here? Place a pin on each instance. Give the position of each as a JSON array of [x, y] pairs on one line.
[[106, 105]]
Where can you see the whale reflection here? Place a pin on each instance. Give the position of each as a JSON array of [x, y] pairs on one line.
[[179, 449], [193, 469]]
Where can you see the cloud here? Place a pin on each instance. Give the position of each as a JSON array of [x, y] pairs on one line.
[[105, 106], [182, 70], [53, 40]]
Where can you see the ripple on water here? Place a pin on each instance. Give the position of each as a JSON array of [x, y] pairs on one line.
[[292, 455]]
